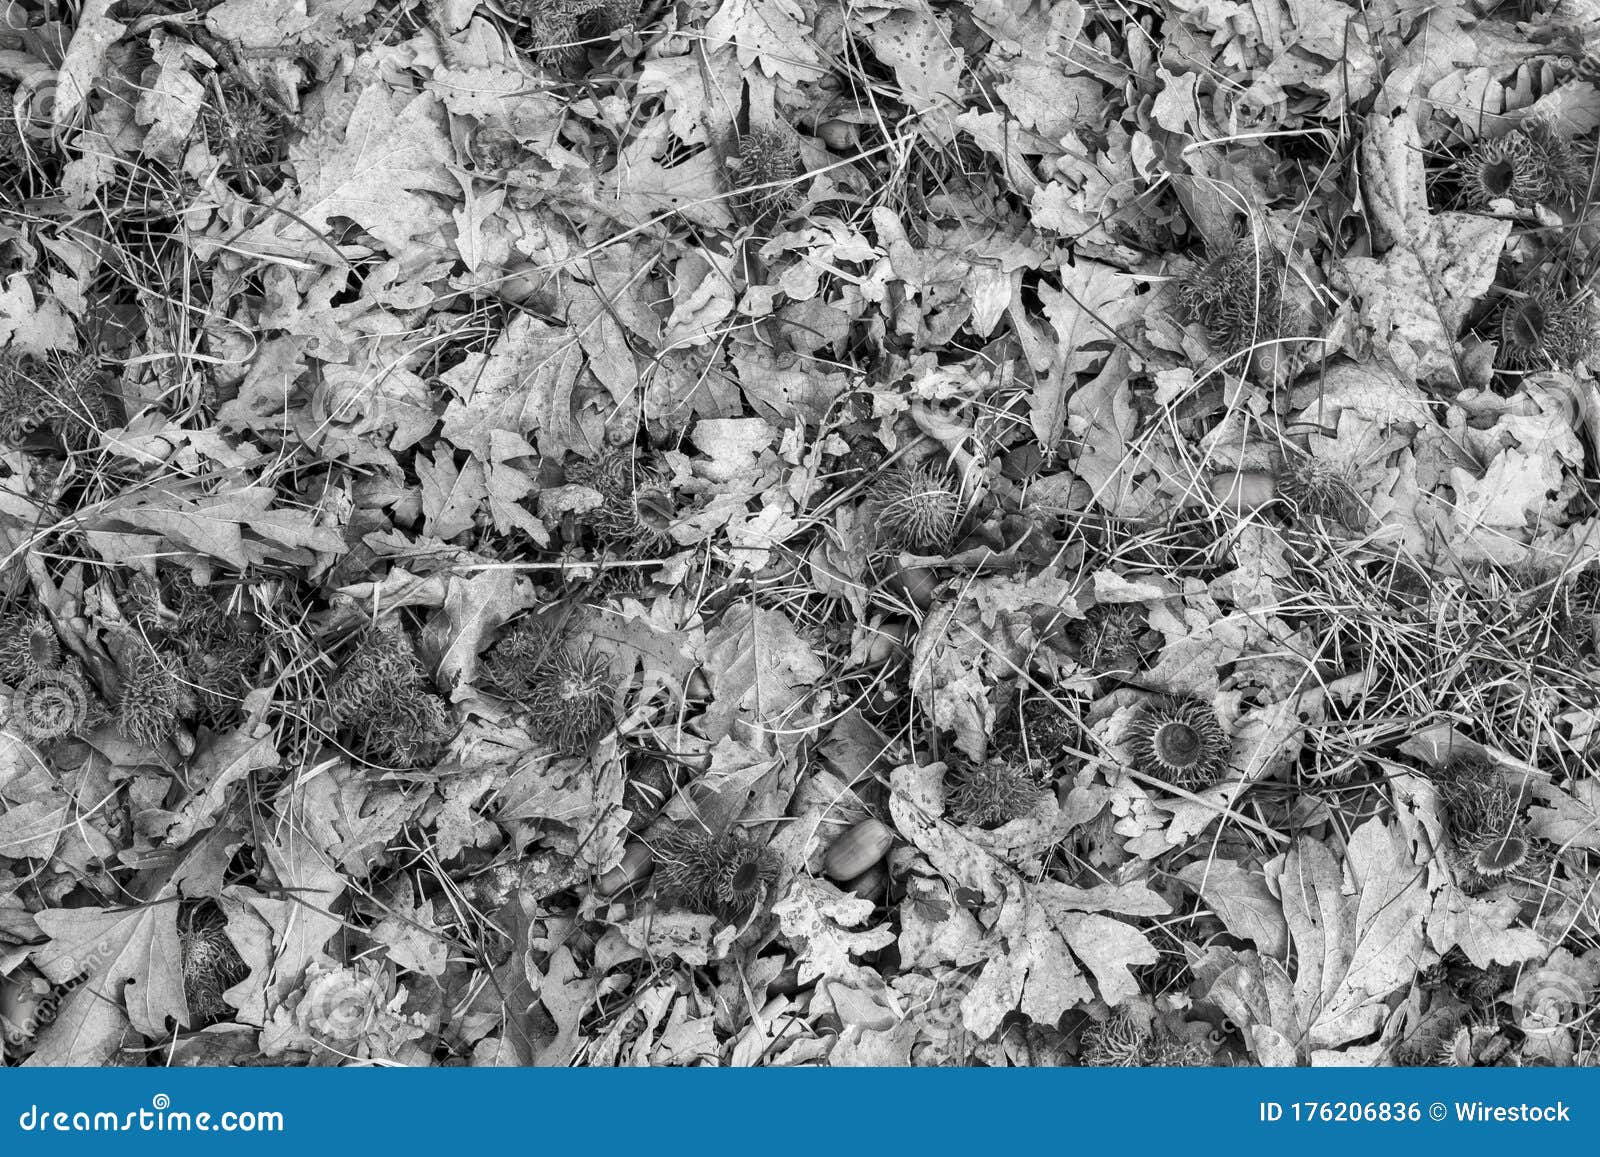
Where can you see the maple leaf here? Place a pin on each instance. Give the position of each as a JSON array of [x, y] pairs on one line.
[[378, 176], [1355, 943], [132, 957], [760, 669], [1437, 265]]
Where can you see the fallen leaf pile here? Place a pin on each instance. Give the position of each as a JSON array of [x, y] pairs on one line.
[[785, 532]]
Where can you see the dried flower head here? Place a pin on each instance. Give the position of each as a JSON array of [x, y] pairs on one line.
[[729, 876], [1322, 487], [917, 509], [1235, 297], [765, 172], [1108, 638], [1180, 740], [1528, 166], [211, 965], [996, 791], [1547, 328]]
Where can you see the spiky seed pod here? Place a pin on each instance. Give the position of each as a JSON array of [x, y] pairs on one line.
[[211, 966], [1528, 166], [915, 508], [557, 29], [52, 704], [729, 876], [154, 699], [1108, 637], [1475, 795], [637, 508], [1046, 730], [63, 393], [523, 656], [241, 126], [996, 792], [13, 149], [1322, 487], [28, 643], [1119, 1041], [1180, 740], [1547, 328], [1495, 854], [1235, 298], [1505, 169], [764, 173], [382, 696], [571, 701]]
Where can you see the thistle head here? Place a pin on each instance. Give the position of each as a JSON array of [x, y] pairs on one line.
[[570, 702], [1180, 740], [154, 699], [916, 509], [637, 507]]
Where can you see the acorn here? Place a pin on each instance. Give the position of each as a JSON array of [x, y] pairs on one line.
[[914, 584], [636, 866], [1244, 491], [885, 642], [838, 135], [855, 852], [870, 884]]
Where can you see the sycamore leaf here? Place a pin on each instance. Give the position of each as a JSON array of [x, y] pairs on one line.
[[378, 176], [1241, 900], [131, 956], [760, 669], [1437, 265]]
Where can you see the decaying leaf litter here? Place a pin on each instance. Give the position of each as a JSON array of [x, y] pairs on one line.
[[552, 532]]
